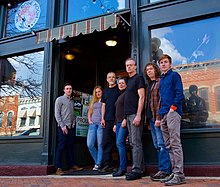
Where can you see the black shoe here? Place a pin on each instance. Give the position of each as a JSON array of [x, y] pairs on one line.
[[119, 173], [143, 174], [106, 169], [167, 178], [159, 176], [133, 176]]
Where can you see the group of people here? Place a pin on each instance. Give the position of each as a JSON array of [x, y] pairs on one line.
[[122, 108]]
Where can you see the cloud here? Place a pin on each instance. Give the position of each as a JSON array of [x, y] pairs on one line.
[[121, 4], [170, 49], [167, 46], [197, 53]]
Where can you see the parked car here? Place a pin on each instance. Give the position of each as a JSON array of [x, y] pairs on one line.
[[30, 132]]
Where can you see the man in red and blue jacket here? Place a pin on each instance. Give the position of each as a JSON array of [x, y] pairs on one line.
[[171, 92]]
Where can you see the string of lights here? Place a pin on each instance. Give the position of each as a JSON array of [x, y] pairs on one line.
[[113, 11]]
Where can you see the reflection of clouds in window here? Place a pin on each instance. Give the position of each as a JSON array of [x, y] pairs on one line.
[[197, 52], [121, 4], [167, 46]]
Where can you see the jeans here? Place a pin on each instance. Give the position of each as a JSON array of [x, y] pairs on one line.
[[107, 143], [170, 126], [95, 133], [121, 134], [164, 163], [135, 140], [63, 141]]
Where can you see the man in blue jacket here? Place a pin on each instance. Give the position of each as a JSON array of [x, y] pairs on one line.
[[171, 92]]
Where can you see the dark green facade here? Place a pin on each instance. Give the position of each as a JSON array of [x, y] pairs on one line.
[[200, 147]]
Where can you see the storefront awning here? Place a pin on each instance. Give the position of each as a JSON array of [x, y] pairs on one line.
[[22, 114], [32, 112], [83, 27]]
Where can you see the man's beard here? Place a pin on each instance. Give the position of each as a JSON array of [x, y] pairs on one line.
[[111, 83]]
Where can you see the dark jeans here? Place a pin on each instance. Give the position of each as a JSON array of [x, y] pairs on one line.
[[107, 143], [121, 135], [65, 140]]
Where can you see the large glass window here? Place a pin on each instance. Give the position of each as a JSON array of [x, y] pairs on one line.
[[217, 93], [195, 50], [20, 93], [25, 16], [1, 119], [82, 9]]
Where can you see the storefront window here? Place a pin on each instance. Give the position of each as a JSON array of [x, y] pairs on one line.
[[217, 93], [82, 9], [25, 16], [195, 51], [1, 116], [21, 93]]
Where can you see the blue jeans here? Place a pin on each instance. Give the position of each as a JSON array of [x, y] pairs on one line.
[[164, 163], [63, 141], [121, 134], [95, 134]]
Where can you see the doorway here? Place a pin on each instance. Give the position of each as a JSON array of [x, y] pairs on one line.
[[94, 59]]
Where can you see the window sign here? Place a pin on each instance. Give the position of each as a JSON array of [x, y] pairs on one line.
[[26, 16], [20, 94], [195, 50], [82, 9]]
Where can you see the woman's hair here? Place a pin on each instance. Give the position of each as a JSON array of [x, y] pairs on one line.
[[94, 98], [122, 78], [156, 69]]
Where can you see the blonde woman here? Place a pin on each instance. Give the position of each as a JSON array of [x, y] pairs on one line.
[[95, 131]]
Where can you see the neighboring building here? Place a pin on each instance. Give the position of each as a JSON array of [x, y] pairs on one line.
[[29, 114], [45, 43], [8, 115], [206, 77]]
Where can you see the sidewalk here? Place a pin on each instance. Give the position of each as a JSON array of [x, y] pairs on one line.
[[98, 181]]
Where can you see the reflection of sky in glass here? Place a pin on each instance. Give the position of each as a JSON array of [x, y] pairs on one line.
[[81, 9], [196, 41], [35, 70]]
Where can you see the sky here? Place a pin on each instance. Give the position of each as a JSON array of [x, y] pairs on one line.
[[86, 8], [197, 41]]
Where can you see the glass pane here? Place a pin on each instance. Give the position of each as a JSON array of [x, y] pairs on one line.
[[153, 1], [25, 16], [195, 49], [82, 9], [20, 94], [217, 91]]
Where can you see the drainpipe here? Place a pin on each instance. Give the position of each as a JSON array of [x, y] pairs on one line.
[[135, 33]]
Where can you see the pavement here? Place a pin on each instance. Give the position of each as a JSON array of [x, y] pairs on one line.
[[98, 181]]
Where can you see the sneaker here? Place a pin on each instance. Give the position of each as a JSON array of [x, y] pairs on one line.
[[106, 169], [159, 176], [59, 171], [167, 178], [176, 180], [95, 168], [133, 176], [76, 168]]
